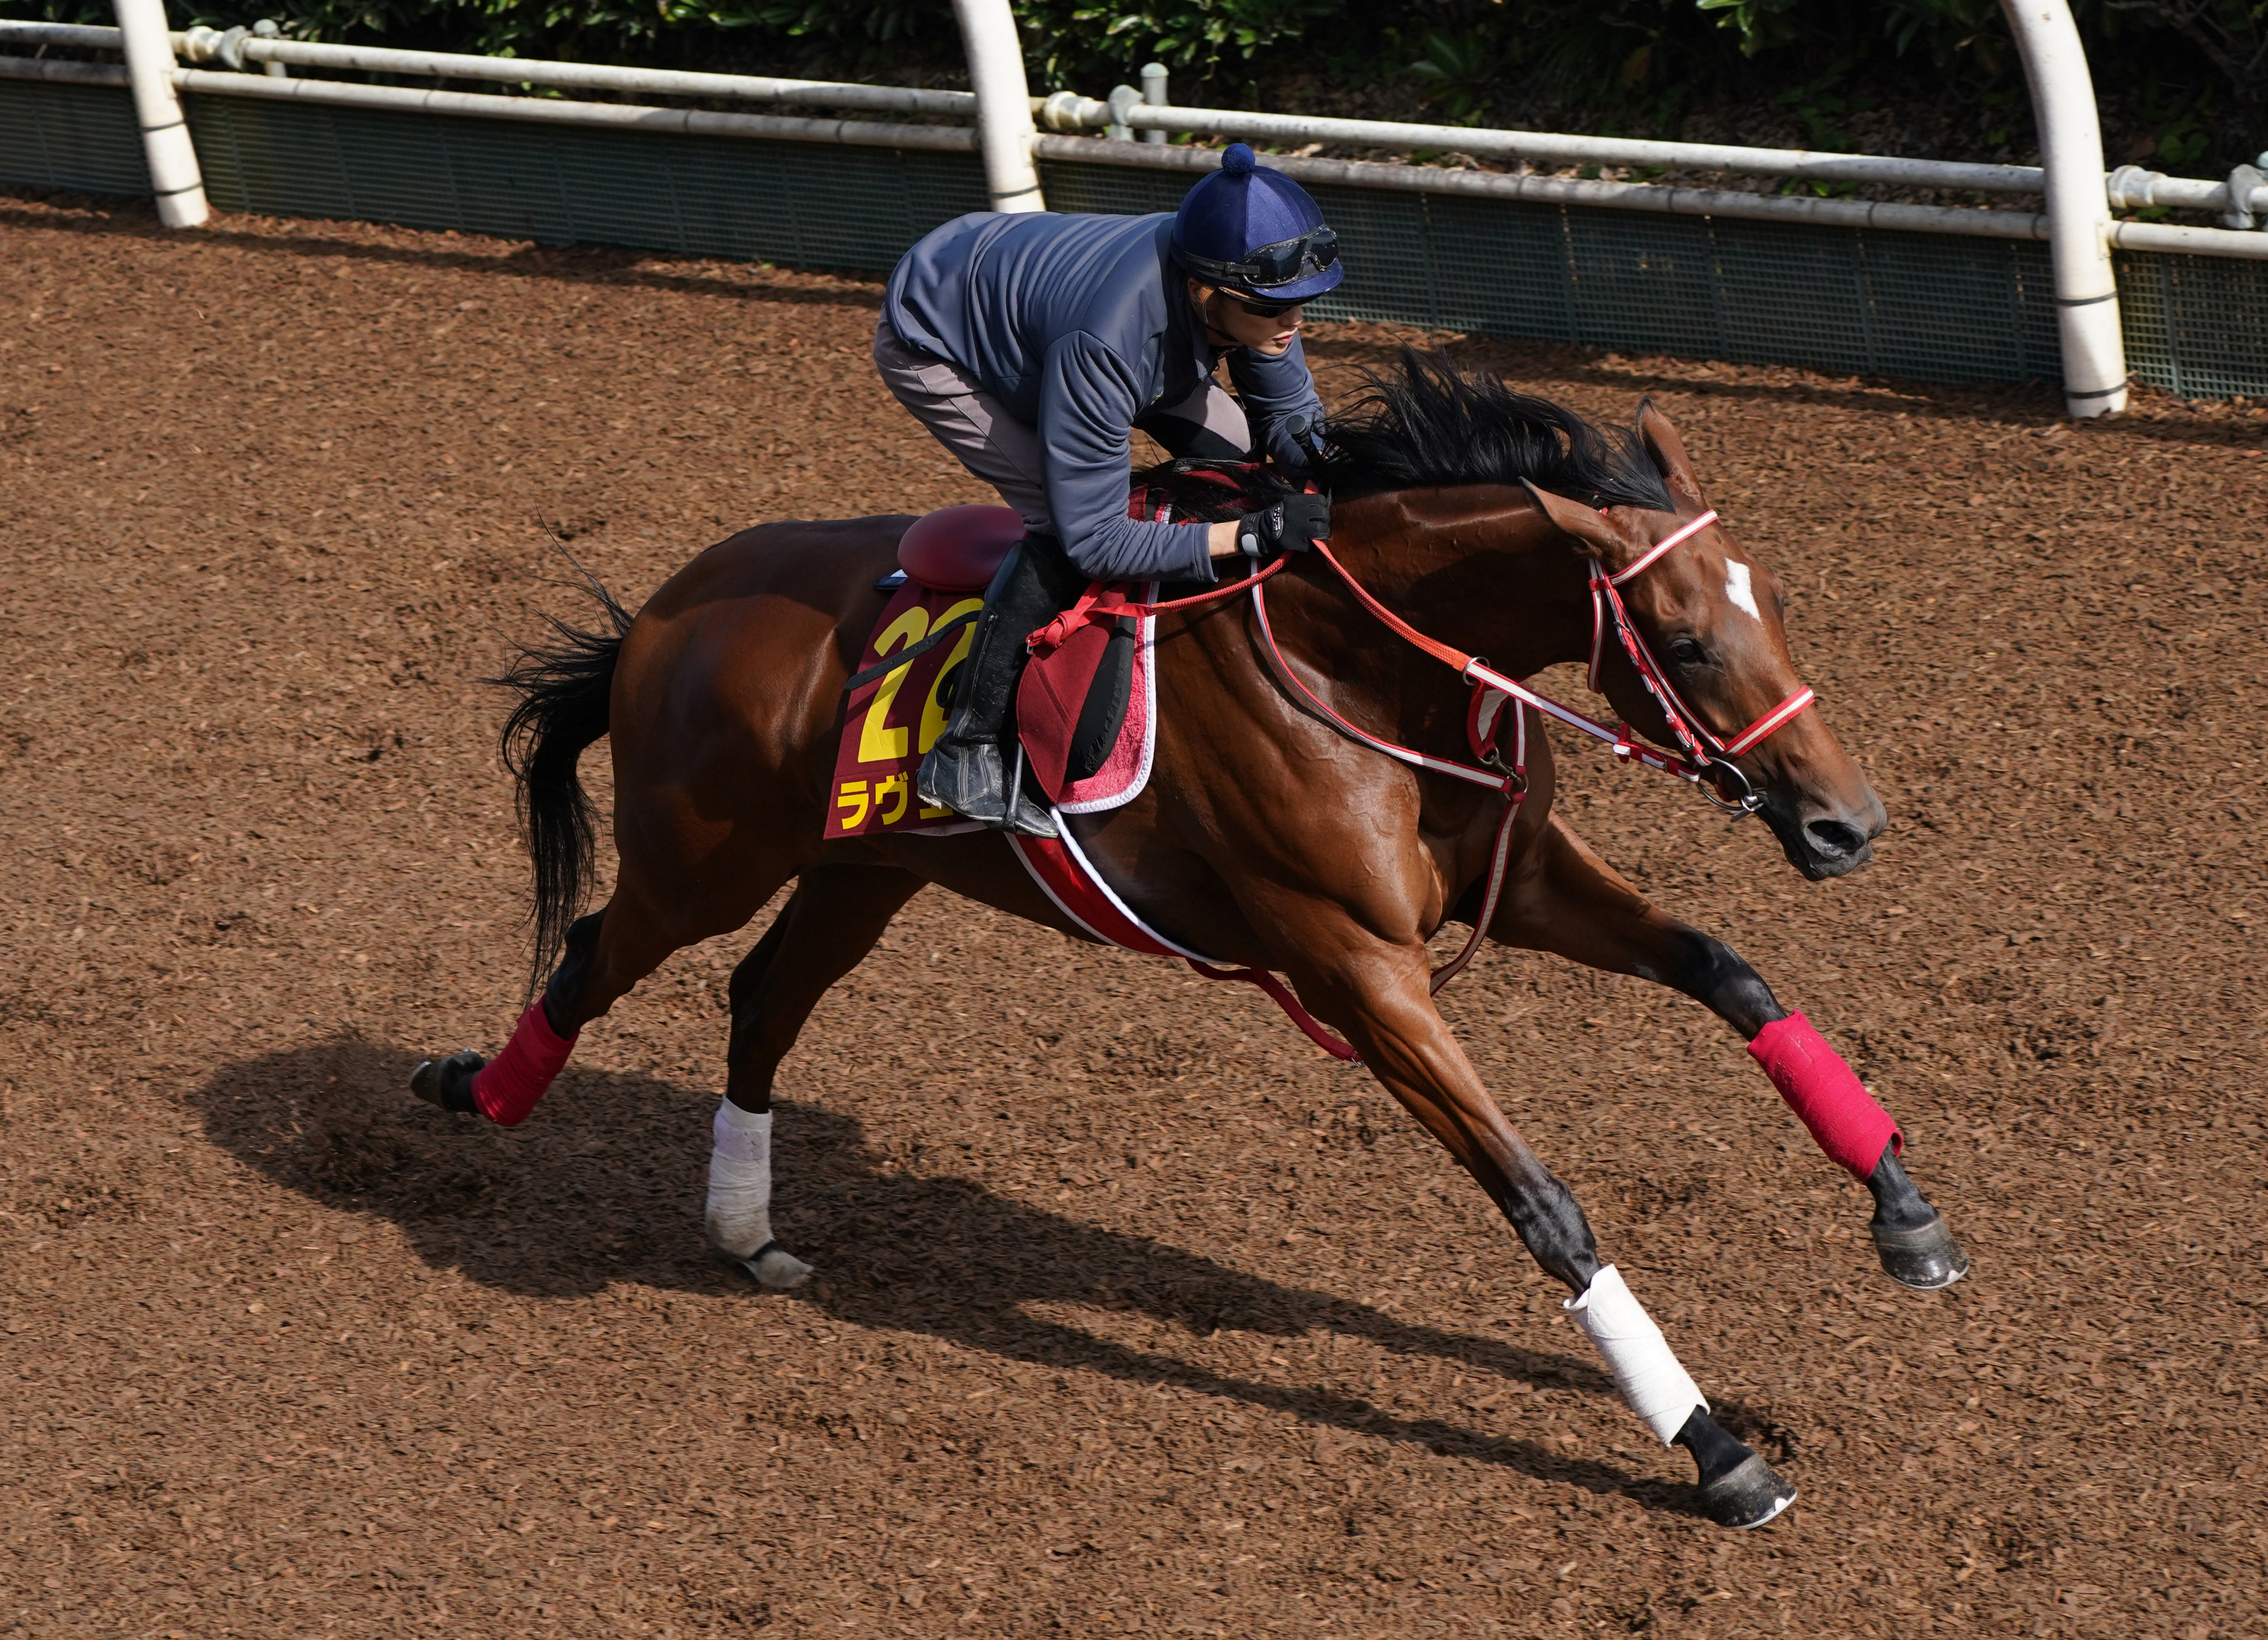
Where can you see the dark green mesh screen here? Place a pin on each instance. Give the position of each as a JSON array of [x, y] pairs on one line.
[[1926, 306], [80, 137], [1922, 306], [802, 204], [2197, 325]]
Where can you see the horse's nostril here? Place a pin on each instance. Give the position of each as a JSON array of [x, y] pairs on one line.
[[1834, 837]]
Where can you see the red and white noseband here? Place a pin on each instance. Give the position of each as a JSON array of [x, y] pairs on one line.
[[1700, 742]]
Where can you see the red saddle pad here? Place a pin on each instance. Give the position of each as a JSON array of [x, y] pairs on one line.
[[1053, 694]]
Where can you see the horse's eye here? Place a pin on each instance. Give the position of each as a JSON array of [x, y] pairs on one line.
[[1686, 652]]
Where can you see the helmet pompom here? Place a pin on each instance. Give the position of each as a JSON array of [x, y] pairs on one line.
[[1237, 160]]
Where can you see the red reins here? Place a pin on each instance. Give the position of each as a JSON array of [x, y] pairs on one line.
[[1091, 607], [1708, 759], [1484, 728]]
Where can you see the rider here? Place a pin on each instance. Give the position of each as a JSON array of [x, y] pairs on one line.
[[1033, 344]]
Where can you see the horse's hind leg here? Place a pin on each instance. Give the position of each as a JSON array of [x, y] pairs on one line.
[[605, 955], [826, 928], [1567, 900]]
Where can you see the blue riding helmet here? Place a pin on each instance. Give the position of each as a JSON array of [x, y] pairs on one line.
[[1256, 233]]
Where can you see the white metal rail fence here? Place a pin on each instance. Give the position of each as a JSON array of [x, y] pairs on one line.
[[2205, 285]]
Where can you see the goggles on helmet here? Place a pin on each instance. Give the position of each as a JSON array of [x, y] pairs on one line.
[[1277, 264]]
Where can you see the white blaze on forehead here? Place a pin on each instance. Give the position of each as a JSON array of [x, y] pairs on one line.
[[1736, 587]]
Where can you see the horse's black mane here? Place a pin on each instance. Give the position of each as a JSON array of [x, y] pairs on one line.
[[1427, 425]]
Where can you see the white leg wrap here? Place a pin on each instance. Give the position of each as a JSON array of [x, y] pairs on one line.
[[740, 1213], [1659, 1390]]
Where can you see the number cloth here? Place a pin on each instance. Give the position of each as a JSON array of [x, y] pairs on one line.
[[889, 722]]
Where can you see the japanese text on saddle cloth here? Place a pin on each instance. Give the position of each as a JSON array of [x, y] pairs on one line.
[[883, 734]]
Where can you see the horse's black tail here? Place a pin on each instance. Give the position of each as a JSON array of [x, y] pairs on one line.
[[563, 689]]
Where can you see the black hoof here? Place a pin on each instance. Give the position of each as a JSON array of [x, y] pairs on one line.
[[1746, 1496], [1925, 1258], [448, 1083]]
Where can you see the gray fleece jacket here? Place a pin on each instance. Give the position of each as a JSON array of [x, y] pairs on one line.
[[1081, 326]]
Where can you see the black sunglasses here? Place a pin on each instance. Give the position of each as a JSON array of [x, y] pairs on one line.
[[1264, 310]]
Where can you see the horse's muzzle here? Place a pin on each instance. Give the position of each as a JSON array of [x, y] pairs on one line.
[[1823, 841]]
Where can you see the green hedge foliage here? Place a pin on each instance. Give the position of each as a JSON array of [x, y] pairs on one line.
[[2190, 71]]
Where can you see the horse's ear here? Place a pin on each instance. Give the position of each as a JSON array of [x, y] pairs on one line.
[[1662, 443], [1586, 525]]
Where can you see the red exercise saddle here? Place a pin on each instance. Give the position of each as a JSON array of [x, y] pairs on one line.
[[958, 549]]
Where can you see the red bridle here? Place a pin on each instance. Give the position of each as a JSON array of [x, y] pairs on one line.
[[1708, 758], [1699, 739]]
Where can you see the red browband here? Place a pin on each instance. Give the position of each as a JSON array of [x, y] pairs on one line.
[[1607, 608]]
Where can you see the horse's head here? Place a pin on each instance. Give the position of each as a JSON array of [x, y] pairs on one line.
[[1709, 614]]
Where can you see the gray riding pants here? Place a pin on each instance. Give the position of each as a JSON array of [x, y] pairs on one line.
[[1006, 453]]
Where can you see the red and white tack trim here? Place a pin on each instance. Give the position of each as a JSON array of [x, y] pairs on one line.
[[1608, 612], [1677, 537], [1067, 876]]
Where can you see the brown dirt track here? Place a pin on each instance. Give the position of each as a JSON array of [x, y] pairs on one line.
[[1135, 1316]]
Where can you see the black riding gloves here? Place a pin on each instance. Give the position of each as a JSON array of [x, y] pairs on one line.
[[1289, 526]]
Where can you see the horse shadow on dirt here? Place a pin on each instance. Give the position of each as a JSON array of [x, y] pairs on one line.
[[605, 1186]]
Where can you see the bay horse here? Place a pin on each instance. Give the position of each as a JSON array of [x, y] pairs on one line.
[[1468, 519]]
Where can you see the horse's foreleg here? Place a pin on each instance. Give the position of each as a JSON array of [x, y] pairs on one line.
[[1567, 900], [826, 928], [1379, 996]]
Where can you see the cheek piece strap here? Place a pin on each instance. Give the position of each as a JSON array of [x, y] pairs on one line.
[[1827, 1094], [508, 1086], [1702, 744]]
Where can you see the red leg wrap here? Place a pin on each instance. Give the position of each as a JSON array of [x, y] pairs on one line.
[[1827, 1094], [507, 1087]]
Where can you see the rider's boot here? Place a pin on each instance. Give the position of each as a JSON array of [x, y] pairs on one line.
[[969, 769]]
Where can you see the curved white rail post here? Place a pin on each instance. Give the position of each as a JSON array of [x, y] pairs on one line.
[[173, 174], [2078, 209], [1003, 104]]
